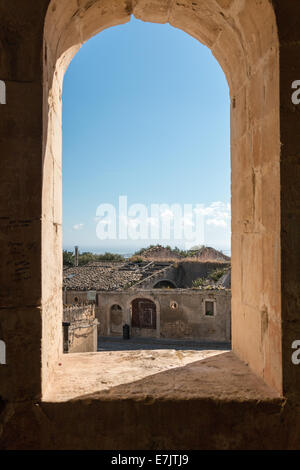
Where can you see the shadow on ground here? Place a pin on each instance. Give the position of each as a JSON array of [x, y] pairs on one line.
[[136, 344], [220, 377]]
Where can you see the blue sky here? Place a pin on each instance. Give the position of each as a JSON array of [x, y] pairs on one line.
[[146, 114]]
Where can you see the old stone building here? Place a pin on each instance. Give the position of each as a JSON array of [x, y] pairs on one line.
[[248, 398], [189, 314], [155, 299]]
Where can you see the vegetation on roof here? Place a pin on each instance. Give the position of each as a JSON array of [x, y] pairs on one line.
[[202, 253]]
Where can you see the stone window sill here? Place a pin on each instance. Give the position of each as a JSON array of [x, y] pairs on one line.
[[111, 376]]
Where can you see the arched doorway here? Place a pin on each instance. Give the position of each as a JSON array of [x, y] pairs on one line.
[[116, 320]]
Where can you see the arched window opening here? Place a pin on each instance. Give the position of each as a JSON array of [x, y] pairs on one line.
[[251, 234], [165, 284], [136, 151]]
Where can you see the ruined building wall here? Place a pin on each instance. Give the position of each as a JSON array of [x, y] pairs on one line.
[[180, 313], [168, 273], [182, 274], [189, 271], [70, 297], [188, 320], [80, 329]]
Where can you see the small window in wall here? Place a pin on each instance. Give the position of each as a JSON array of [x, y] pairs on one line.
[[209, 308]]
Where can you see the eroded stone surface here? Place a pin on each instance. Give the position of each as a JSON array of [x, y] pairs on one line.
[[156, 374], [248, 38]]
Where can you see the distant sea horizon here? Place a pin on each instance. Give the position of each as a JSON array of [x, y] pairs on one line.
[[126, 252]]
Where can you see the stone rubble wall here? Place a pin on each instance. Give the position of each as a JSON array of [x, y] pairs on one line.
[[82, 332]]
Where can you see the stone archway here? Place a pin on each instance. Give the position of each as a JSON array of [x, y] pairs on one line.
[[164, 284], [116, 320], [243, 38], [266, 248]]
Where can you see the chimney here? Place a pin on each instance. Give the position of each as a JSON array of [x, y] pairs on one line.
[[76, 256]]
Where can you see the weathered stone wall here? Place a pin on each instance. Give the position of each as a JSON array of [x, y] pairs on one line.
[[77, 313], [186, 321], [287, 14], [189, 321], [187, 272], [168, 273], [70, 297], [257, 43], [82, 332]]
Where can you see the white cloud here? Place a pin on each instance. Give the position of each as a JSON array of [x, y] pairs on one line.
[[187, 220], [217, 213], [78, 226], [216, 222]]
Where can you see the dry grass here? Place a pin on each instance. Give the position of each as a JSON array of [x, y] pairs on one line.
[[187, 259]]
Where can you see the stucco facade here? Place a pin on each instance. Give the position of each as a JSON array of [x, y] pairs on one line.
[[180, 313]]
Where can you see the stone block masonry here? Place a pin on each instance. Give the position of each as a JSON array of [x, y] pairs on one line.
[[257, 43], [80, 329]]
